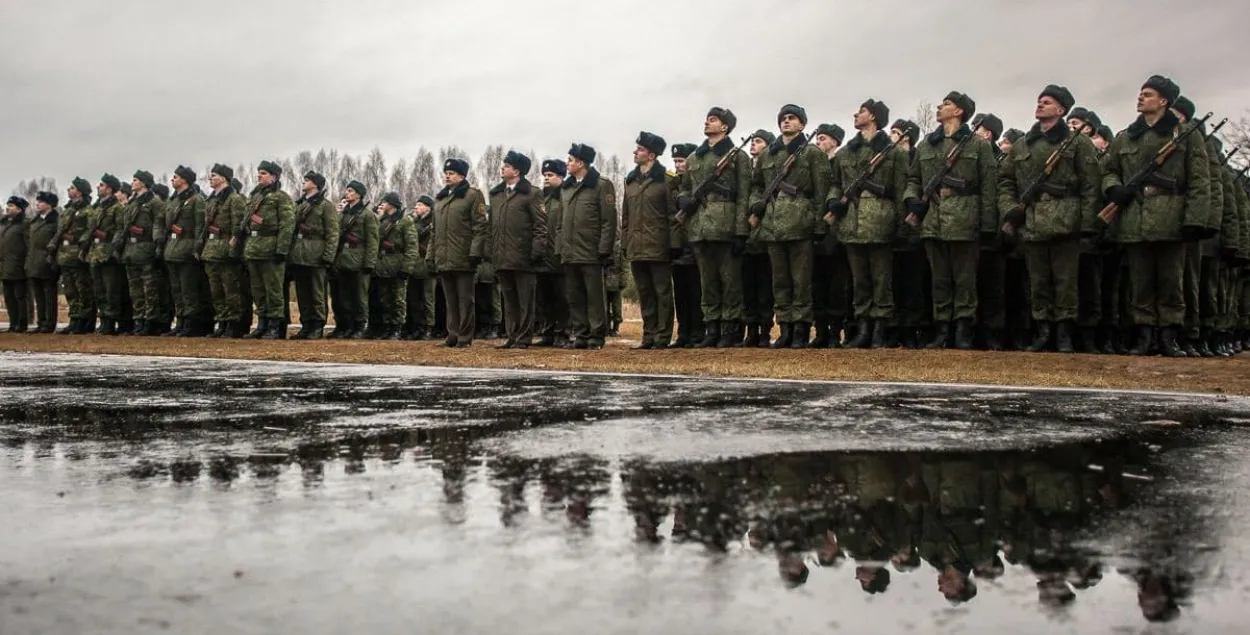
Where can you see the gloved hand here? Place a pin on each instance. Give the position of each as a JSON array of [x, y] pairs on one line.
[[738, 246], [917, 207], [836, 207], [686, 203], [1119, 195], [757, 209]]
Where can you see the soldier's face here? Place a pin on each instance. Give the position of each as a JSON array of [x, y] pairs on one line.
[[122, 197], [757, 146], [713, 126], [265, 178], [1149, 101], [73, 193], [985, 133], [386, 208], [12, 210], [421, 209], [947, 111], [451, 178], [826, 143], [576, 166], [216, 181], [309, 187], [352, 196], [507, 172], [1101, 144], [642, 156], [551, 179], [679, 165], [1004, 145], [863, 118], [1047, 109], [178, 183], [42, 207], [138, 186], [103, 191], [790, 125]]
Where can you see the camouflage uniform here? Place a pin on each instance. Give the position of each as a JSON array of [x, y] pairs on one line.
[[312, 253], [267, 235], [108, 277], [224, 214], [74, 223], [354, 262], [181, 228], [420, 294], [398, 255], [136, 241]]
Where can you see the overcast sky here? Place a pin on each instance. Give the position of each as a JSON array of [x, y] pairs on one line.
[[115, 86]]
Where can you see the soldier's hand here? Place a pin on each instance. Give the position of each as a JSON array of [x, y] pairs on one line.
[[758, 208], [279, 258], [1119, 195], [912, 220]]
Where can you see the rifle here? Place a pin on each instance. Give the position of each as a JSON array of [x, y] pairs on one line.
[[701, 191], [940, 178], [1029, 194], [782, 172], [300, 224], [1230, 156], [347, 229], [857, 185], [119, 239], [1138, 180]]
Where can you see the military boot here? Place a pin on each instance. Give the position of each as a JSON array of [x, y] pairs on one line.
[[357, 332], [863, 334], [964, 335], [1063, 337], [879, 334], [1089, 341], [546, 341], [262, 327], [86, 326], [738, 339], [1168, 346], [107, 327], [341, 328], [753, 336], [238, 329], [993, 339], [145, 328], [835, 332], [711, 337], [941, 336], [304, 328], [1224, 345], [272, 332], [1106, 338], [729, 336], [1186, 344], [315, 331], [787, 336], [1041, 339], [177, 330], [822, 335], [420, 333], [908, 337], [1206, 344], [802, 332], [766, 334], [1144, 341]]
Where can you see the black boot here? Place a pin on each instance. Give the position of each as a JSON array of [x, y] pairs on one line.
[[941, 336], [342, 328], [863, 334], [822, 335], [177, 330], [766, 334], [964, 335], [835, 332], [909, 337], [315, 330], [221, 330], [1144, 342], [738, 339], [1107, 338], [1223, 348], [145, 328], [993, 339], [1167, 343], [879, 337], [728, 332], [1186, 344], [1041, 339], [802, 332], [1089, 341], [1207, 345], [711, 337], [262, 327], [1063, 337], [546, 341], [787, 336], [107, 327], [753, 336]]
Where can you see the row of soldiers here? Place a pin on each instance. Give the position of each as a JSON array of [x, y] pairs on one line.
[[1064, 237]]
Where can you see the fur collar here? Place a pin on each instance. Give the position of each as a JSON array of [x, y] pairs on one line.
[[458, 191], [143, 198], [106, 203], [551, 191], [657, 173], [1164, 126], [591, 180], [313, 200], [355, 209], [224, 193], [522, 187], [721, 147], [1056, 135], [936, 137], [779, 144], [81, 203], [879, 142]]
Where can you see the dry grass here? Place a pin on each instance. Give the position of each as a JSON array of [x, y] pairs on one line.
[[1228, 376]]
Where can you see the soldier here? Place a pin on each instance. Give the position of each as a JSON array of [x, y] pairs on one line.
[[587, 245], [866, 219], [312, 254], [1174, 204], [108, 277], [964, 209], [757, 275], [552, 305], [1053, 221], [398, 253], [1220, 261], [420, 294], [1009, 138], [992, 263], [716, 225], [831, 272], [179, 227], [266, 237], [613, 284], [913, 284], [1202, 252], [687, 293], [135, 243], [73, 224], [647, 211], [41, 269], [13, 236], [457, 248], [788, 220], [519, 243], [225, 211], [356, 256]]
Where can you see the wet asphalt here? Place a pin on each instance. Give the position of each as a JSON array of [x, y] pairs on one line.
[[189, 496]]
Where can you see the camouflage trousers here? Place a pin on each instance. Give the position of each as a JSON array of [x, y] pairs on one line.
[[108, 284], [872, 279], [189, 288], [421, 300], [1192, 287], [225, 285], [1157, 281], [720, 281], [954, 268], [310, 292], [393, 297], [148, 286], [349, 297], [791, 263], [1054, 273], [1211, 305], [267, 280], [76, 285]]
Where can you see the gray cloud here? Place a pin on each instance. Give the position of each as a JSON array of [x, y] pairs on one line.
[[148, 84]]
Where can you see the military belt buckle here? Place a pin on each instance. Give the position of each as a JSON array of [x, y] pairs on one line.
[[212, 236], [946, 192], [255, 234], [299, 236], [173, 237], [133, 240], [65, 243], [95, 240]]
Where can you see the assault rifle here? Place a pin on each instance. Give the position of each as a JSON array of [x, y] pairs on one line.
[[123, 233], [1147, 172], [1230, 156], [704, 188], [778, 182], [1037, 187], [860, 183], [943, 176]]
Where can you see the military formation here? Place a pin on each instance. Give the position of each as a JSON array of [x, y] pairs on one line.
[[1065, 237]]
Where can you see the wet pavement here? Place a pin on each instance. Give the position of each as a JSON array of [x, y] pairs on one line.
[[190, 496]]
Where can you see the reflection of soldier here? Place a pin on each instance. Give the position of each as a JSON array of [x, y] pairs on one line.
[[1158, 594]]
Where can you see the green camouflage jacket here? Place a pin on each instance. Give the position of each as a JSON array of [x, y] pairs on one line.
[[1068, 204], [964, 213], [873, 215], [792, 217], [316, 232], [270, 223], [224, 214], [183, 225], [722, 215]]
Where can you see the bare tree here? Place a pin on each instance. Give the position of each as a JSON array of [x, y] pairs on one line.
[[291, 181], [303, 164], [333, 164], [488, 165], [926, 116], [1238, 135], [349, 170], [373, 174], [536, 169], [424, 179], [399, 180]]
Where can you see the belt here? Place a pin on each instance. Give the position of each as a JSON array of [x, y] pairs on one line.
[[781, 195], [720, 198], [950, 192], [867, 194], [263, 234], [1151, 191]]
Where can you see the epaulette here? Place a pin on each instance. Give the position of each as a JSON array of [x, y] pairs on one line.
[[671, 174]]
